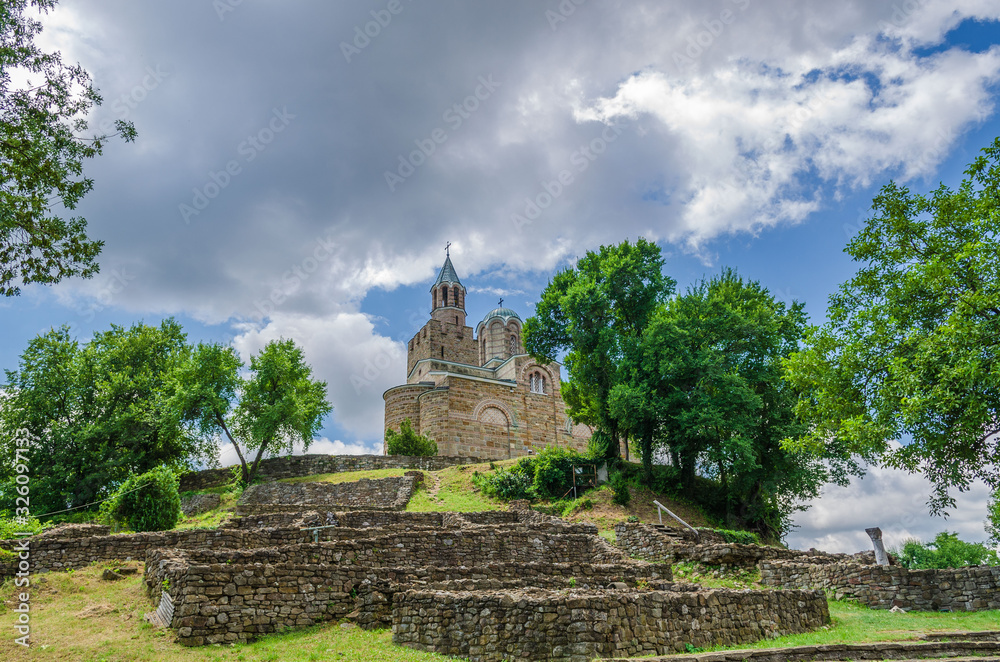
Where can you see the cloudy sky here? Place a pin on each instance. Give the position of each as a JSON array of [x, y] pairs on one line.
[[301, 165]]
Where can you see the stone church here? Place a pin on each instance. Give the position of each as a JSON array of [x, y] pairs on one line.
[[479, 395]]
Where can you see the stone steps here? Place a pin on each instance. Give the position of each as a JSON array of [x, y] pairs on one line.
[[978, 647]]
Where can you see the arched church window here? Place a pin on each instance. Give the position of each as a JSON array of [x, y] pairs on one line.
[[444, 296], [513, 345], [454, 295]]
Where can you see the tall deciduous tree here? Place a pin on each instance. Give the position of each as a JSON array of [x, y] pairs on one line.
[[268, 411], [910, 353], [705, 385], [593, 312], [42, 149], [95, 413]]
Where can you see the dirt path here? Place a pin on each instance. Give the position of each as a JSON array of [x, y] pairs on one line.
[[435, 485]]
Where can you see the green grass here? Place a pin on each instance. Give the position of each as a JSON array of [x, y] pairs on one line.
[[346, 476], [77, 616], [852, 623], [456, 493], [211, 519]]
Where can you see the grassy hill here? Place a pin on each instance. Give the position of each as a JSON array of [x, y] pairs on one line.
[[77, 616]]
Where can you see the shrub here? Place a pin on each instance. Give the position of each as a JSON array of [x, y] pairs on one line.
[[408, 442], [508, 484], [553, 471], [947, 551], [147, 502], [736, 537], [11, 526], [620, 486]]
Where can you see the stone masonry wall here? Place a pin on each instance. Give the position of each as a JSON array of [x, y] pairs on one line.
[[646, 542], [580, 625], [884, 587], [295, 466], [365, 494]]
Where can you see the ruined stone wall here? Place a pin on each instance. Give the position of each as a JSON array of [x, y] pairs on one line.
[[646, 542], [295, 466], [365, 494], [579, 625], [883, 587]]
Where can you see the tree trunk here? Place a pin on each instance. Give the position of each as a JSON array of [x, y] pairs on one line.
[[647, 455], [875, 534], [243, 463]]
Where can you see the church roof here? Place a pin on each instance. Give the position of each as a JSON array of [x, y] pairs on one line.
[[506, 314], [447, 274]]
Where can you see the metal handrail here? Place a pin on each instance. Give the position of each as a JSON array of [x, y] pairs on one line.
[[660, 509]]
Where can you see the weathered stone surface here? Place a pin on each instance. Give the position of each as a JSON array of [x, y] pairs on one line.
[[643, 541], [365, 494], [295, 466], [884, 587], [197, 504], [571, 625]]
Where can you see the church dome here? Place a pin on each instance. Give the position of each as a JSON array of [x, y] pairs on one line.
[[506, 314]]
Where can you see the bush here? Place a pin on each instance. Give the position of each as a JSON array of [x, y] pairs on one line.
[[147, 502], [947, 551], [620, 486], [9, 526], [408, 442], [736, 537], [553, 471], [508, 484]]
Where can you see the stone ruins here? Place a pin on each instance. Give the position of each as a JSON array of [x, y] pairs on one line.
[[486, 586]]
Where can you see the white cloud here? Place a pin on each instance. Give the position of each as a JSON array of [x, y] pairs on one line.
[[894, 501], [344, 351], [754, 134]]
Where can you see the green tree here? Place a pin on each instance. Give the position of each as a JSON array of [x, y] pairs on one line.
[[993, 519], [705, 386], [95, 413], [905, 373], [42, 150], [593, 312], [146, 502], [947, 551], [276, 405], [408, 442]]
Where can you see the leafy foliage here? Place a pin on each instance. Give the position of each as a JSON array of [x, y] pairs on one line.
[[41, 156], [554, 471], [147, 502], [505, 484], [10, 526], [95, 413], [911, 349], [704, 385], [947, 551], [737, 537], [993, 519], [276, 405], [593, 312], [408, 442], [620, 486]]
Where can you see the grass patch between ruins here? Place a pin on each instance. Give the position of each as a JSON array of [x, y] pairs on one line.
[[346, 476], [77, 616]]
